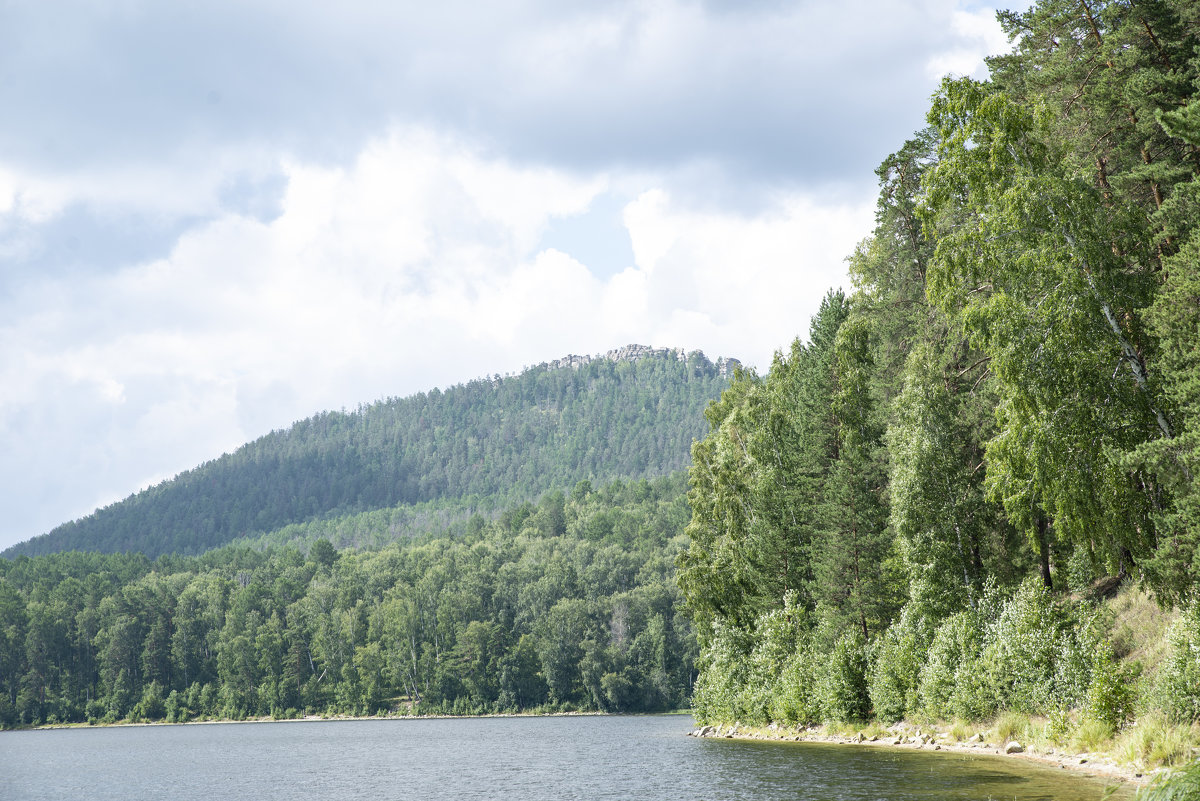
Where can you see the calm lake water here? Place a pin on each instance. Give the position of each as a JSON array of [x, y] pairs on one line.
[[627, 758]]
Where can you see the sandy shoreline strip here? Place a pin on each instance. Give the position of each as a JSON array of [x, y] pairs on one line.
[[1096, 766]]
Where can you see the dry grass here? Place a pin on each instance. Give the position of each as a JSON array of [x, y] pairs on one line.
[[1140, 628], [1153, 742], [1091, 735], [960, 730], [1012, 726]]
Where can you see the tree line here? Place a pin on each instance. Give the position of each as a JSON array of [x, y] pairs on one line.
[[566, 604], [910, 512]]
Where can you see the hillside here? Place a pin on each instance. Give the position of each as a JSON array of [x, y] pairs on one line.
[[633, 412]]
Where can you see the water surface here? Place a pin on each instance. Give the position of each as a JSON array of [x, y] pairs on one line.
[[564, 758]]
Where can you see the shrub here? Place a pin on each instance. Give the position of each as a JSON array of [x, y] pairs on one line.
[[896, 669], [795, 700], [1036, 655], [1081, 569], [151, 707], [843, 686], [951, 680], [723, 672], [1110, 696], [1058, 726], [1179, 682], [777, 666]]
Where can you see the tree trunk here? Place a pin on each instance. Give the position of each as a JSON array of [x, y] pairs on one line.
[[1042, 528]]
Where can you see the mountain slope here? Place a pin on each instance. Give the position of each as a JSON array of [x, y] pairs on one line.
[[631, 413]]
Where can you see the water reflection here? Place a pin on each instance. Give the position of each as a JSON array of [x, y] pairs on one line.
[[557, 759]]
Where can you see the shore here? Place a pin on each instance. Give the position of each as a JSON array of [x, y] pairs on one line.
[[928, 738], [311, 718]]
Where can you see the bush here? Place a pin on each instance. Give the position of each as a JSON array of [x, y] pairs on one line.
[[1081, 569], [1037, 654], [950, 682], [1179, 681], [843, 685], [1058, 726], [1110, 696], [723, 675], [151, 707], [795, 700], [896, 669]]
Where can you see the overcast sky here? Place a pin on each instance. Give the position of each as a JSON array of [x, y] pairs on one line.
[[217, 218]]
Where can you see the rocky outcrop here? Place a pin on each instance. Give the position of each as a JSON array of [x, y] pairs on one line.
[[632, 353]]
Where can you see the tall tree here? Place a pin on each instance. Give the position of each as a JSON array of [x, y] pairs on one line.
[[850, 556], [1045, 276]]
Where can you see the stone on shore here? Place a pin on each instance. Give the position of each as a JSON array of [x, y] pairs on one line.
[[1014, 748]]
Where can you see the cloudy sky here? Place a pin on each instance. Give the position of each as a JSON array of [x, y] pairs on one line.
[[219, 217]]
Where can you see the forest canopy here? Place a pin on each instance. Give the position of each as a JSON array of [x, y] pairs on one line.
[[914, 510]]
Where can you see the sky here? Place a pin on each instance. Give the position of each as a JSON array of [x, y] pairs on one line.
[[218, 218]]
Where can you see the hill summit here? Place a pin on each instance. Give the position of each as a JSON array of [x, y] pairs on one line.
[[632, 412]]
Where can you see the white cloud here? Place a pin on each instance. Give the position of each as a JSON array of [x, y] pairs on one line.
[[415, 266], [977, 34], [257, 211]]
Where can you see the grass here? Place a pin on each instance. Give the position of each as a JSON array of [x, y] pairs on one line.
[[875, 729], [1091, 735], [1012, 726], [1153, 742], [1183, 785], [960, 730], [1139, 629], [842, 729]]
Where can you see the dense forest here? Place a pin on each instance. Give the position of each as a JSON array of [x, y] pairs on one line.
[[915, 511], [633, 413], [566, 604]]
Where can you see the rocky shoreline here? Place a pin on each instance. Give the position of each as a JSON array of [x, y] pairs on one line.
[[911, 736]]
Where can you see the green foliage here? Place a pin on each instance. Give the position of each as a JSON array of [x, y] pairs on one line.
[[416, 464], [1110, 696], [1183, 785], [937, 509], [900, 657], [953, 682], [502, 620], [757, 484], [843, 682], [1006, 408], [770, 676], [1037, 286], [1036, 655], [1179, 682], [724, 673]]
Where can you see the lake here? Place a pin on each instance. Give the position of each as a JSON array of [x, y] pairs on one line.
[[561, 758]]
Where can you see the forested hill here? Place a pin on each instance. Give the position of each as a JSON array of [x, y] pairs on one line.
[[633, 412]]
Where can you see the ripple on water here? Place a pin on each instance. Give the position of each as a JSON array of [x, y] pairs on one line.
[[562, 758]]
